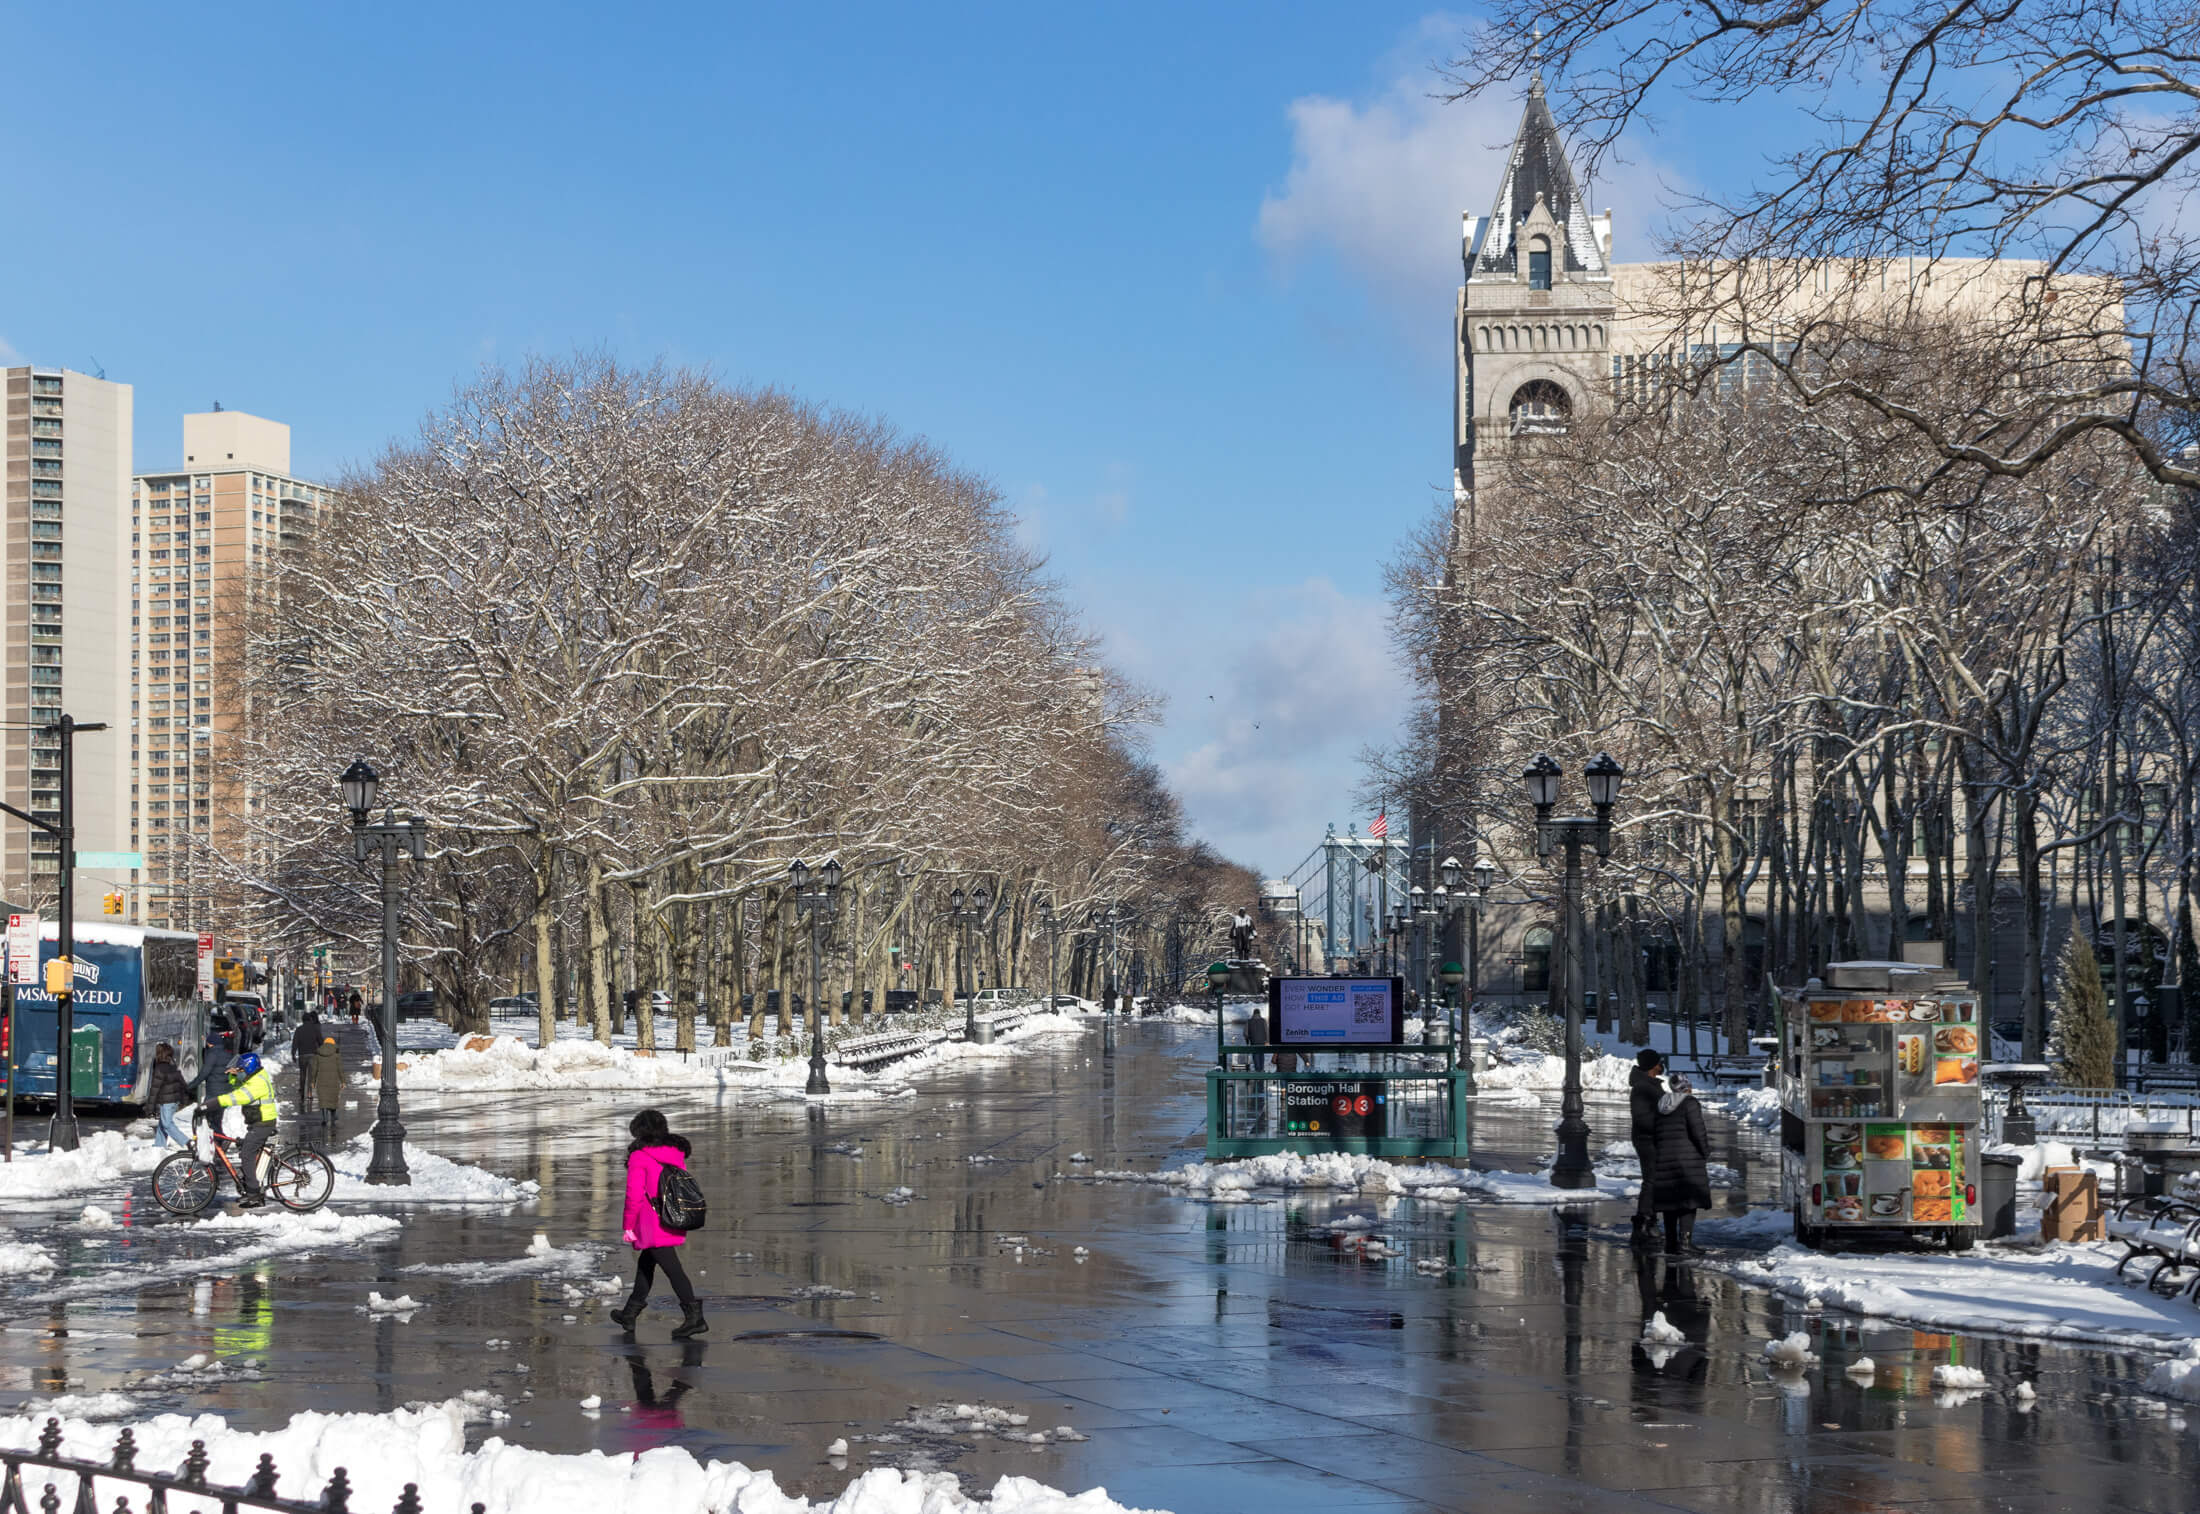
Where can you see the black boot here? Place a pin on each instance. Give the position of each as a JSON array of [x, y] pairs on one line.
[[628, 1317], [1640, 1233], [1688, 1234], [691, 1323], [1672, 1234]]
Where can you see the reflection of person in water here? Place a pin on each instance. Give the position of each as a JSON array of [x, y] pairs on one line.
[[1683, 1363], [660, 1413]]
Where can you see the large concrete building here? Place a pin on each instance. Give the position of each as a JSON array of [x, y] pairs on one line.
[[65, 620], [206, 536]]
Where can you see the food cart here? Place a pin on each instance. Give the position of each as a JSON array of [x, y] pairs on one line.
[[1879, 1103]]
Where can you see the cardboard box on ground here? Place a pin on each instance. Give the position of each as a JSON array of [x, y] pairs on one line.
[[2073, 1211]]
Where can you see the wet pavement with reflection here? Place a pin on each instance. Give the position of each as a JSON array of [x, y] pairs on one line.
[[1217, 1357]]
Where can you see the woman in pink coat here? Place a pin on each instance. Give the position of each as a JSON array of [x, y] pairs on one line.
[[656, 1249]]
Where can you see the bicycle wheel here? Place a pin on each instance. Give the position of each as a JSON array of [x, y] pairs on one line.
[[182, 1184], [300, 1178]]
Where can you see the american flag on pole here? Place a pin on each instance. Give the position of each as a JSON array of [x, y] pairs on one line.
[[1381, 826]]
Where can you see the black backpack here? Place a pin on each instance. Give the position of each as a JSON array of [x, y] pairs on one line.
[[680, 1205]]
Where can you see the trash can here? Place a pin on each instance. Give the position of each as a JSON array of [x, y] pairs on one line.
[[1436, 1033], [1997, 1193]]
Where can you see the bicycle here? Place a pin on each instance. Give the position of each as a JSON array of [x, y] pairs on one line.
[[296, 1177]]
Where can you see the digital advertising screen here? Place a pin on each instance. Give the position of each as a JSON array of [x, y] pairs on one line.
[[1336, 1011]]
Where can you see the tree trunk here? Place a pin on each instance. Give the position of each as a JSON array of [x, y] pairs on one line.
[[599, 955], [546, 962]]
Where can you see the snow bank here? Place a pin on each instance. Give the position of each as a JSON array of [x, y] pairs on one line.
[[1659, 1331], [435, 1179], [105, 1159], [1542, 1072], [22, 1258], [1758, 1108], [542, 1260], [265, 1235], [1232, 1181], [509, 1065], [427, 1446], [2065, 1292], [1755, 1227], [2178, 1377]]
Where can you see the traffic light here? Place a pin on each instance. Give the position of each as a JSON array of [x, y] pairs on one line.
[[112, 901]]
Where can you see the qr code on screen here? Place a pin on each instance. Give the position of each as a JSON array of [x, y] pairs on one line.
[[1370, 1012]]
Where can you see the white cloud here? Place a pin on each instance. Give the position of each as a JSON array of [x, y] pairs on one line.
[[9, 357], [1273, 752], [1380, 185]]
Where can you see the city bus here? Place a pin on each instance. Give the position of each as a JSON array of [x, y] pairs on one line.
[[135, 988]]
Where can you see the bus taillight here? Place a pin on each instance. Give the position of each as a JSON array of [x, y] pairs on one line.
[[129, 1041]]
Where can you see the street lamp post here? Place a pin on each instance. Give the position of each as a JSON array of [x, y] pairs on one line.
[[964, 913], [1464, 983], [1053, 928], [821, 905], [1571, 1168], [388, 836], [1376, 871]]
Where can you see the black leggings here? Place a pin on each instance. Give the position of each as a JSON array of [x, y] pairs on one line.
[[648, 1260]]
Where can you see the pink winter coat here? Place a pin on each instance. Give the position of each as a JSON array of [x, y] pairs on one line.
[[643, 1168]]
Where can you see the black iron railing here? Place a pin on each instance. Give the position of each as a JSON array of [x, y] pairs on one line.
[[189, 1481]]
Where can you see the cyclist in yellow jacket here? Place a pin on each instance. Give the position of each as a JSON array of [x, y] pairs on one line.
[[252, 1087]]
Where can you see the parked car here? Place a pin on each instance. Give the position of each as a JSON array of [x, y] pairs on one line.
[[901, 1000], [242, 1020], [514, 1005], [1075, 1005], [1002, 998], [417, 1005]]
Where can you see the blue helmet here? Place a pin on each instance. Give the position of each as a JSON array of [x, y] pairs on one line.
[[244, 1064]]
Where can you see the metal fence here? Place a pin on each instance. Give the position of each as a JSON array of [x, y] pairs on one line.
[[188, 1485]]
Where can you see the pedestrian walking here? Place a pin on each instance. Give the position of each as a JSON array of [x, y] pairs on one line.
[[1683, 1164], [1256, 1034], [167, 1092], [1643, 1092], [304, 1042], [656, 1248], [328, 1082], [357, 1004]]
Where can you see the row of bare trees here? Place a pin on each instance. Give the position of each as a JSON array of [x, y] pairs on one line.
[[633, 643], [1862, 697]]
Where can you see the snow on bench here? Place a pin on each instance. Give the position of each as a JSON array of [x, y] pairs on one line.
[[2165, 1229], [876, 1051]]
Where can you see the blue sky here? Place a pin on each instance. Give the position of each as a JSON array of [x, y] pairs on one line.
[[1177, 279]]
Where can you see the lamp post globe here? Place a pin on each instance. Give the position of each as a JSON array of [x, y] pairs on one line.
[[1540, 779], [1452, 874], [1603, 776], [1484, 875], [358, 785]]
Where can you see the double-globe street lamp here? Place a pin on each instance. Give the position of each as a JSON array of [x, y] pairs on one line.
[[963, 913], [821, 904], [1603, 775], [389, 835]]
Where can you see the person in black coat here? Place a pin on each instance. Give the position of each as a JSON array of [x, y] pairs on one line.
[[305, 1041], [1683, 1167], [1643, 1092]]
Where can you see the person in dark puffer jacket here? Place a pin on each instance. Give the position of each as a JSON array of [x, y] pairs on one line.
[[167, 1092], [1683, 1164]]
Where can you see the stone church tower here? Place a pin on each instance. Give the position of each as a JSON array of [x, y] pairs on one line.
[[1534, 320]]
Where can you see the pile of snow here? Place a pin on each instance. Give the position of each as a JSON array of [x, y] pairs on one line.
[[1754, 1228], [1791, 1353], [426, 1445], [509, 1065], [266, 1234], [82, 1406], [1233, 1181], [1659, 1331], [1757, 1108], [2066, 1292], [22, 1258], [96, 1218], [1544, 1072], [2178, 1377], [404, 1303], [197, 1371], [1863, 1369], [106, 1159], [435, 1179], [978, 1422], [542, 1260], [1955, 1375]]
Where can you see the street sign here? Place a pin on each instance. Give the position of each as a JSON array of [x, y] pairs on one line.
[[23, 950], [206, 967], [115, 860]]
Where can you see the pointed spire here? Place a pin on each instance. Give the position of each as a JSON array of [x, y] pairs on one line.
[[1537, 169]]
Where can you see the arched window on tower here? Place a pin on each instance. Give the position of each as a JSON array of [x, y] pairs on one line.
[[1540, 407], [1539, 263]]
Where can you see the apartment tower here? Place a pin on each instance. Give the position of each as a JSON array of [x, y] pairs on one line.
[[64, 627], [205, 538]]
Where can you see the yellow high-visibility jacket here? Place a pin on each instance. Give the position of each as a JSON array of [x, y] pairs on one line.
[[257, 1095]]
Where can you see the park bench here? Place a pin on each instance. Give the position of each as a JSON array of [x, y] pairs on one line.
[[866, 1052], [1741, 1070], [2167, 1230], [1007, 1019]]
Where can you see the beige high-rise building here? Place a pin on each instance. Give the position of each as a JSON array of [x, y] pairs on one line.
[[205, 537], [64, 619]]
